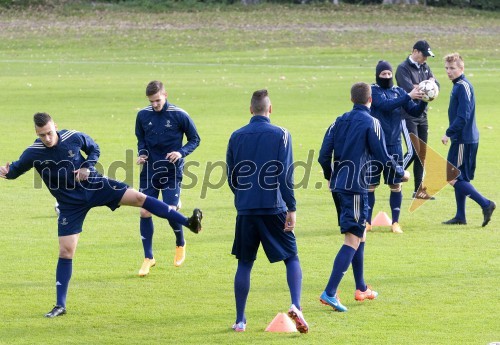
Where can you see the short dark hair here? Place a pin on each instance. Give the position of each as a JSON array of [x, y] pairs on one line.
[[154, 87], [260, 102], [361, 93], [41, 119]]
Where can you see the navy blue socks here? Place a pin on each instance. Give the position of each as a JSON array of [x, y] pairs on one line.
[[358, 267], [294, 279], [162, 210], [147, 230], [467, 189], [178, 232], [241, 288], [63, 276], [460, 199], [395, 200], [340, 267]]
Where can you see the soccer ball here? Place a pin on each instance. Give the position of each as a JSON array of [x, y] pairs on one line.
[[430, 90]]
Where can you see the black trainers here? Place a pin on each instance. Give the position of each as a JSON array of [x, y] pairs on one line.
[[56, 311], [194, 222], [488, 211], [455, 221]]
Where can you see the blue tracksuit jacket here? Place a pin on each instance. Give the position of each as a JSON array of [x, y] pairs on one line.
[[56, 164], [386, 107], [356, 141], [462, 113], [159, 133], [259, 168]]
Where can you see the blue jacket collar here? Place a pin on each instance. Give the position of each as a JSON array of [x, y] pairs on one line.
[[361, 107], [259, 118], [458, 79]]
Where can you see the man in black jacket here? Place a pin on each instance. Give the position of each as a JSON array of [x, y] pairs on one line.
[[410, 73]]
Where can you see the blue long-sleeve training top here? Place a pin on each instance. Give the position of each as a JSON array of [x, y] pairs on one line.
[[386, 107], [356, 142], [159, 133], [462, 113], [56, 166], [260, 168]]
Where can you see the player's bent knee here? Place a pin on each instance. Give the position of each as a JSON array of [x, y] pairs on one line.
[[133, 197], [65, 254], [396, 188], [140, 198], [145, 214]]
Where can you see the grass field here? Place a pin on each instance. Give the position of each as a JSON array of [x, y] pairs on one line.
[[89, 67]]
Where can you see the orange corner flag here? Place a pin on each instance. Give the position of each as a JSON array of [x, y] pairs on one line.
[[281, 323], [381, 219]]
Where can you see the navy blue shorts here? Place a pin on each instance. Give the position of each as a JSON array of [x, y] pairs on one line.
[[389, 173], [353, 212], [108, 193], [463, 157], [170, 189], [251, 230]]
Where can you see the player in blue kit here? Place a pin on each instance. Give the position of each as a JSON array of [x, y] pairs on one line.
[[72, 179], [356, 142], [259, 170], [464, 137], [387, 103], [160, 129]]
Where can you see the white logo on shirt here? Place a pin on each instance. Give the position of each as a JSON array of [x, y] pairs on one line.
[[168, 125], [71, 154]]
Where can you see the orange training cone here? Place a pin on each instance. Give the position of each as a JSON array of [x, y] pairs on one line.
[[281, 323], [381, 219]]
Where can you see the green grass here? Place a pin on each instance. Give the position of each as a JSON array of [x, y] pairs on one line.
[[89, 68]]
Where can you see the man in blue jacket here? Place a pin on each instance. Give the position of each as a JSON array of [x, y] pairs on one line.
[[73, 180], [356, 143], [464, 141], [260, 174], [387, 105], [160, 129]]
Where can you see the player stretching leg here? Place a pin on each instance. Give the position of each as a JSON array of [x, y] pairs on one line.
[[73, 180]]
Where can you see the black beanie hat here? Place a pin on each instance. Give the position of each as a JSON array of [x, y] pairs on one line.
[[382, 66]]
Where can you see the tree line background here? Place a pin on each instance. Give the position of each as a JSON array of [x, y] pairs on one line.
[[148, 4]]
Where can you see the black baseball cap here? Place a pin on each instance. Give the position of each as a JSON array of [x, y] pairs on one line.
[[424, 47]]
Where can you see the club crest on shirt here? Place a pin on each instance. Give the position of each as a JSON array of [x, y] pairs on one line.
[[168, 125], [71, 154]]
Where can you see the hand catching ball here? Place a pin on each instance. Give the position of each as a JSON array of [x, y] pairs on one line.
[[429, 89]]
